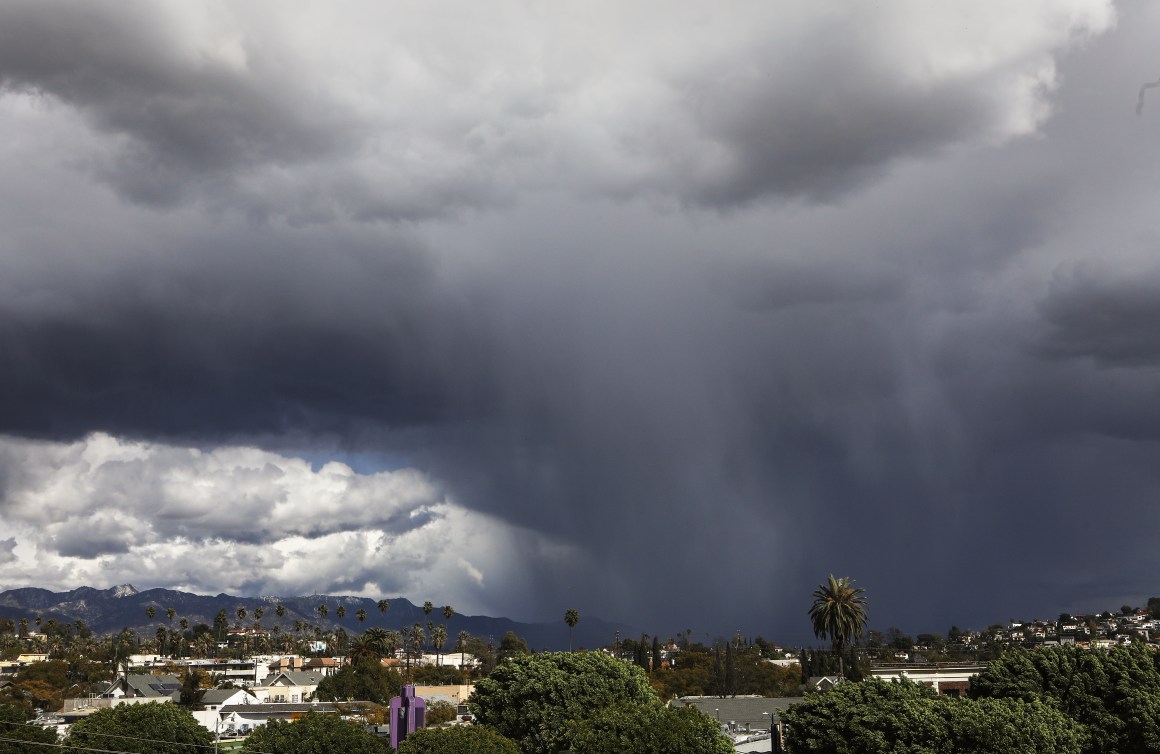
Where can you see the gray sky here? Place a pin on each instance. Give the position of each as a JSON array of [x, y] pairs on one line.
[[661, 312]]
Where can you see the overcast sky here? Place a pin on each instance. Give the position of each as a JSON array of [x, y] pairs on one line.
[[663, 311]]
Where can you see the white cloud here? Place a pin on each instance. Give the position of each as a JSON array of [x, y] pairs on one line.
[[102, 510]]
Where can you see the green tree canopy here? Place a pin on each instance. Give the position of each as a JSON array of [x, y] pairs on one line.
[[364, 680], [459, 739], [648, 729], [13, 726], [315, 733], [531, 698], [142, 728], [878, 717], [1113, 693]]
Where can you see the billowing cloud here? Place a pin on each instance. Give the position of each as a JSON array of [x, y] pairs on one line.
[[238, 518], [373, 112], [662, 313]]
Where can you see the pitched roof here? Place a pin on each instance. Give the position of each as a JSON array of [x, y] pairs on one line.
[[149, 686], [295, 678], [221, 696]]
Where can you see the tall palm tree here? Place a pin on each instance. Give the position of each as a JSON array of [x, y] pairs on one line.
[[376, 639], [340, 611], [448, 612], [280, 610], [170, 614], [571, 617], [461, 644], [439, 638], [150, 611], [383, 606], [322, 611], [361, 615], [839, 614]]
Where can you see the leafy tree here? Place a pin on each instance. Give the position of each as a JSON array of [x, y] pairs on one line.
[[838, 613], [648, 729], [571, 618], [142, 728], [459, 739], [439, 712], [482, 650], [444, 675], [877, 717], [363, 680], [314, 733], [1114, 694], [510, 646], [13, 726], [531, 698]]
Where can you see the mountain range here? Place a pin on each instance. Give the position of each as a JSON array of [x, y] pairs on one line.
[[110, 610]]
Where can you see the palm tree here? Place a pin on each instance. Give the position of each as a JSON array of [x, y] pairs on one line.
[[448, 612], [340, 611], [383, 606], [439, 638], [376, 639], [462, 645], [280, 610], [428, 607], [571, 617], [839, 614], [170, 614], [150, 611], [322, 611], [418, 639]]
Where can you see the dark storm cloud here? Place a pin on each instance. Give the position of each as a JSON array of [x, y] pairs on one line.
[[1111, 322], [258, 332], [187, 119], [909, 373]]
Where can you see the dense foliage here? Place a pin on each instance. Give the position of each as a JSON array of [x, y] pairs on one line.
[[13, 725], [143, 728], [701, 671], [531, 698], [877, 717], [459, 739], [312, 734], [1114, 694], [648, 729], [364, 680]]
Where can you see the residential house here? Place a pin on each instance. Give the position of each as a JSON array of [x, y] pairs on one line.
[[290, 686]]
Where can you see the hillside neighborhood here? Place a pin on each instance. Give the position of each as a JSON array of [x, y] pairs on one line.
[[226, 678]]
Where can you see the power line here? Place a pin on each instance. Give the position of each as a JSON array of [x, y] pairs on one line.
[[112, 735]]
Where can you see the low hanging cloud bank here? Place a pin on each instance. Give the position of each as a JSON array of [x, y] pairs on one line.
[[237, 519]]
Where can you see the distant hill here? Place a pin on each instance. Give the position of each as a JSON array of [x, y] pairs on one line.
[[110, 610]]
